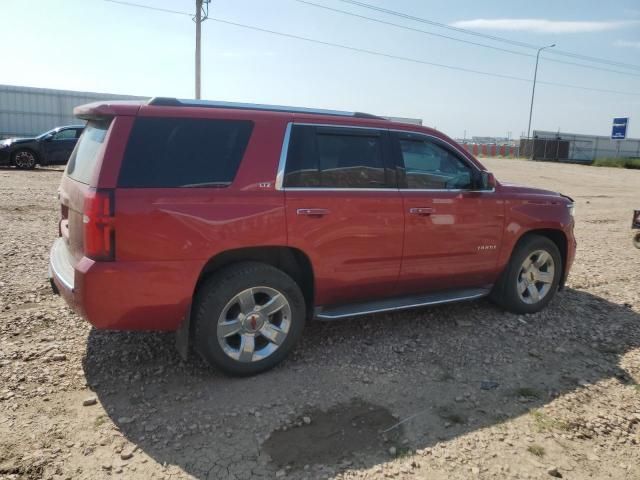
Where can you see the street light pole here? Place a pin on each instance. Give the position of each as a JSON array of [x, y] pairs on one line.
[[533, 90]]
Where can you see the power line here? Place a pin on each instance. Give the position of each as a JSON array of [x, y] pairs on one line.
[[413, 29], [415, 60], [440, 35], [149, 7], [491, 37], [382, 54]]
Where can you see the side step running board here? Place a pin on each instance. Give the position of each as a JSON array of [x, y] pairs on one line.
[[402, 303]]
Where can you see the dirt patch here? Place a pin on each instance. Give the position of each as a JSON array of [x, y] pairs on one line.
[[346, 430], [482, 393]]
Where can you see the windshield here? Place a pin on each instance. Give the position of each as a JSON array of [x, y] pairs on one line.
[[42, 135]]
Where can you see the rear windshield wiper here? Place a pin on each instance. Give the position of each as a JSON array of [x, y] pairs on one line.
[[206, 184]]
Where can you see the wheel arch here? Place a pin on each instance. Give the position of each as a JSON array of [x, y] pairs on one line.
[[558, 237], [292, 261]]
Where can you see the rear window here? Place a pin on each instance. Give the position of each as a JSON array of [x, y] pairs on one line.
[[183, 152], [84, 156]]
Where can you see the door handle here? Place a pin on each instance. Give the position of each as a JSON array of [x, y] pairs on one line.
[[312, 212], [423, 211]]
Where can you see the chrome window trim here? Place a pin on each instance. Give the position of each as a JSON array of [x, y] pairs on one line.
[[285, 150], [452, 190], [283, 157], [335, 189]]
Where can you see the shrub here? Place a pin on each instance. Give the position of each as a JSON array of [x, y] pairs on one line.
[[617, 162]]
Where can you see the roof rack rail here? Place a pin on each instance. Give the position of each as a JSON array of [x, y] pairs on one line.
[[175, 102]]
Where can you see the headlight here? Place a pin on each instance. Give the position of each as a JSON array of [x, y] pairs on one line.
[[572, 209]]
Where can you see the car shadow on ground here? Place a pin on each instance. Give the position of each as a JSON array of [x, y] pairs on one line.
[[47, 169], [353, 390]]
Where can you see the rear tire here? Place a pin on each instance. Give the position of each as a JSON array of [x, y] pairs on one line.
[[247, 318], [24, 159], [531, 278]]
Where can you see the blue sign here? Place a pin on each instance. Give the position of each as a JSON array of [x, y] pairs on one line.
[[619, 129]]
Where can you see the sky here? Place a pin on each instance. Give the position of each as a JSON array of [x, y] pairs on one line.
[[103, 46]]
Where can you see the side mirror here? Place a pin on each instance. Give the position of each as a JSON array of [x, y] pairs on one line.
[[485, 181], [49, 137]]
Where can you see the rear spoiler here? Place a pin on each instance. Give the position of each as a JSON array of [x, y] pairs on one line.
[[100, 110]]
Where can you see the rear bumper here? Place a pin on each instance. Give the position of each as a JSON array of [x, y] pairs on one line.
[[123, 295]]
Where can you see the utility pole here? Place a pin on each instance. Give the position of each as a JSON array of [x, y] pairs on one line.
[[202, 13], [533, 92]]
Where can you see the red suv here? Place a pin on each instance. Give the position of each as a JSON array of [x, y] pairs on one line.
[[233, 224]]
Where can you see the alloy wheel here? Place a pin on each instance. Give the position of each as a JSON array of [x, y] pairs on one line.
[[536, 277], [24, 159], [254, 324]]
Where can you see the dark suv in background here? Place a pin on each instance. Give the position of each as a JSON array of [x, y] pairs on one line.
[[233, 224], [50, 148]]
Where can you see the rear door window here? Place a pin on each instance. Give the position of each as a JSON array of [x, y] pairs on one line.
[[83, 158], [337, 157], [183, 152]]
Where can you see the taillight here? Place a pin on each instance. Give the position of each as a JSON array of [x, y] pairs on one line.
[[99, 227]]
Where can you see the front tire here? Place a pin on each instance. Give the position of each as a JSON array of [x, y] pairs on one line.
[[531, 278], [247, 318], [24, 159]]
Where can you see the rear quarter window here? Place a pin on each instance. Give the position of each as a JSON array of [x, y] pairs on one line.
[[183, 152], [83, 159]]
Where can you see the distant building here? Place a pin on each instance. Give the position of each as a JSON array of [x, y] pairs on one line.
[[27, 111], [584, 148]]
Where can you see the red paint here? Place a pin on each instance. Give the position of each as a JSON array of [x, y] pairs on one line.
[[364, 246]]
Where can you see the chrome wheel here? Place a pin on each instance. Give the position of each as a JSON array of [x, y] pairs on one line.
[[536, 277], [24, 159], [254, 324]]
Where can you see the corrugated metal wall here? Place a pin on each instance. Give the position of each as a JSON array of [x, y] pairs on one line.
[[26, 111], [585, 148]]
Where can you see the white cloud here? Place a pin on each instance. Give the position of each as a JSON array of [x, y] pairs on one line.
[[627, 43], [542, 25]]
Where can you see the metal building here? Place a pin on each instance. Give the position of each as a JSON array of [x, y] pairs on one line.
[[27, 111], [583, 148]]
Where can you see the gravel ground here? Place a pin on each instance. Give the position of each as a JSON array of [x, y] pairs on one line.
[[461, 391]]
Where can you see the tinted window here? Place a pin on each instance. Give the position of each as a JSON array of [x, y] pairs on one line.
[[431, 166], [335, 158], [84, 155], [69, 134], [302, 161], [183, 152]]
